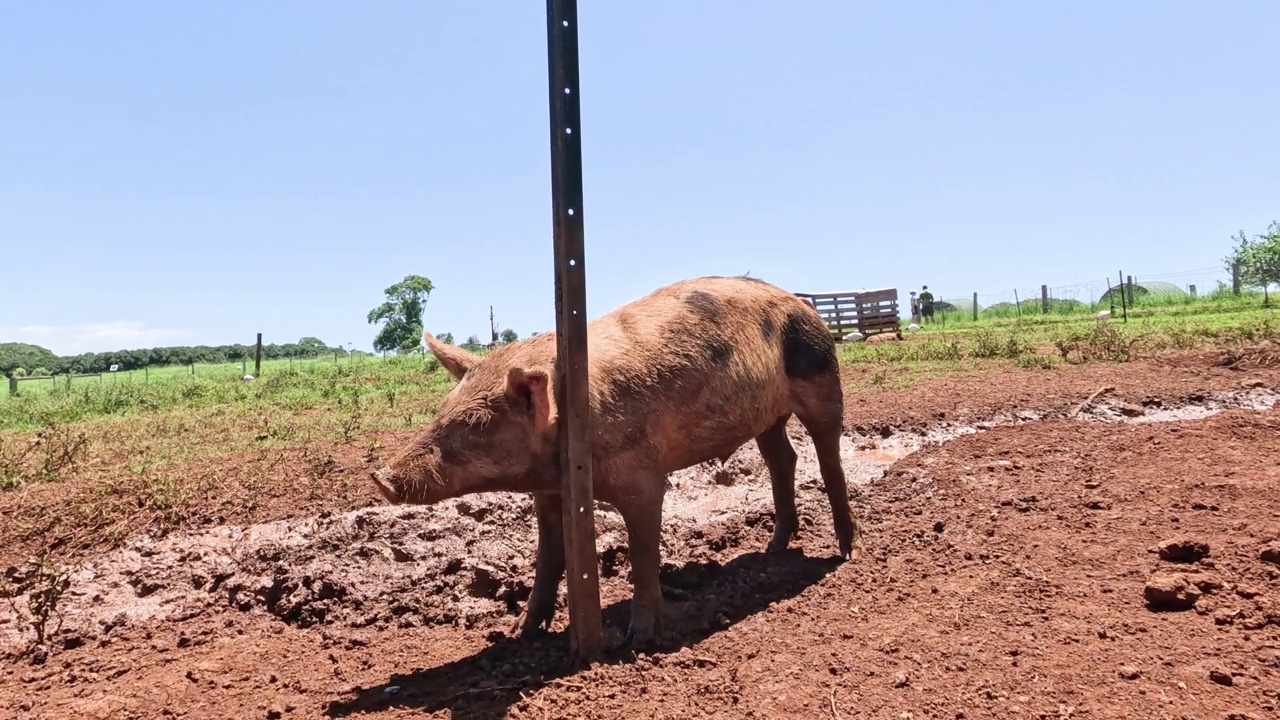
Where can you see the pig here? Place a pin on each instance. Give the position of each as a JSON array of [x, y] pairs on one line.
[[686, 374]]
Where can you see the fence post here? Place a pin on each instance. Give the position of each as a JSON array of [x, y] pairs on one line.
[[257, 358], [975, 307], [1235, 279], [1044, 299], [1017, 304], [571, 388], [1124, 304], [1193, 291], [1129, 290], [13, 385]]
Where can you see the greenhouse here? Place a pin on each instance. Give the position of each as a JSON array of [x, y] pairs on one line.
[[1157, 290], [964, 305]]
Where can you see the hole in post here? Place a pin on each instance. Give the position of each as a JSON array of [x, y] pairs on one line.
[[572, 263], [582, 510], [564, 23], [568, 131], [584, 576], [567, 91], [570, 211]]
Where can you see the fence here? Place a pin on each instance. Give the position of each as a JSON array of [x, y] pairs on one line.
[[1119, 293], [234, 369], [867, 312]]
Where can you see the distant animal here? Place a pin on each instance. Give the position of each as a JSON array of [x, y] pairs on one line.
[[854, 336], [1103, 316], [913, 327]]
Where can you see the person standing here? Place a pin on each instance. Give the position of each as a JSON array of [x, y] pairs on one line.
[[926, 304], [915, 308]]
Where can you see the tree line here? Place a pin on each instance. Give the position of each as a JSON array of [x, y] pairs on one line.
[[36, 360]]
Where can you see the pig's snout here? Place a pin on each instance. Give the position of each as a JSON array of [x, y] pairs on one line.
[[389, 490]]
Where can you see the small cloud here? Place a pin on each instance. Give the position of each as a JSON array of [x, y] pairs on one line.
[[95, 337]]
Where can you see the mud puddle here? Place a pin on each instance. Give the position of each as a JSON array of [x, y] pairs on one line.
[[469, 562]]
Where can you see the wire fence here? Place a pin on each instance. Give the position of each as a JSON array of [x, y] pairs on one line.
[[1089, 296]]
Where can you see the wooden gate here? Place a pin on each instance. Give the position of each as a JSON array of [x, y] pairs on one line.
[[868, 312]]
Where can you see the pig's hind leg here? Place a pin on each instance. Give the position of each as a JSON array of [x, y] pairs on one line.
[[780, 457], [821, 412], [642, 512], [549, 567]]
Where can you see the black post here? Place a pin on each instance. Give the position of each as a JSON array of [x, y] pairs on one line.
[[571, 387], [1124, 302], [257, 358]]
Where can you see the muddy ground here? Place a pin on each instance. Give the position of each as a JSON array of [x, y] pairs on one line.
[[1014, 569]]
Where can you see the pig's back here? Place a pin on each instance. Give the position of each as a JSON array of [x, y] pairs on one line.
[[697, 368]]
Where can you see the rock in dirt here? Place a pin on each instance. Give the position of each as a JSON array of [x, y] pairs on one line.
[[1183, 550], [1129, 672], [1221, 677], [1271, 553], [1170, 592], [1131, 410]]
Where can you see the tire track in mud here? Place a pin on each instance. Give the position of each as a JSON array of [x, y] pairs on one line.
[[468, 562]]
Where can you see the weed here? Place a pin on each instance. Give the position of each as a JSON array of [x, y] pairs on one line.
[[43, 584], [53, 450], [1034, 361]]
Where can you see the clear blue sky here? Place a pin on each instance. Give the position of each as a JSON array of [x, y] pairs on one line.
[[182, 173]]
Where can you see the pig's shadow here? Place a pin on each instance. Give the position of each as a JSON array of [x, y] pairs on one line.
[[702, 599]]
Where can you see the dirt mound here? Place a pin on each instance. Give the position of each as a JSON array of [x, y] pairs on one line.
[[1264, 355]]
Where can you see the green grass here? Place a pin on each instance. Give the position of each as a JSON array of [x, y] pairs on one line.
[[88, 465], [283, 388], [991, 345]]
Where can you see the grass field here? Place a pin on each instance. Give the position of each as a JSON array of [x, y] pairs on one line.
[[137, 450]]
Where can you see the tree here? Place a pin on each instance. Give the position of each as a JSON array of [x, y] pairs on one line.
[[1258, 259], [22, 355], [472, 344], [311, 347], [508, 336], [446, 338], [401, 314]]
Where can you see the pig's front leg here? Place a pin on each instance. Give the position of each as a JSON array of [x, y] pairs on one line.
[[642, 511], [549, 567]]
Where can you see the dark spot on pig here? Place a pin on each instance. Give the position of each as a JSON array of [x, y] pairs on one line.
[[627, 324], [718, 349], [704, 305], [768, 327], [808, 349]]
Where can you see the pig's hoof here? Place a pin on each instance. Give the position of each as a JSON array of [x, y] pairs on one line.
[[780, 542], [528, 628], [639, 636], [849, 550]]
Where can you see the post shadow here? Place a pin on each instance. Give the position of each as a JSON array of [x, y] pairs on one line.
[[702, 598]]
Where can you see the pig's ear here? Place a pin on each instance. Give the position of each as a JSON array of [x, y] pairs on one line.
[[454, 359], [528, 392]]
